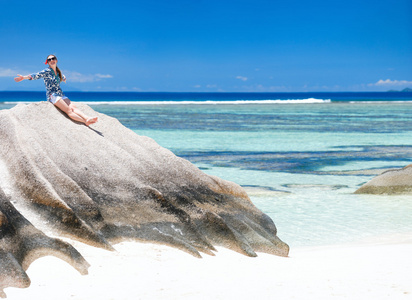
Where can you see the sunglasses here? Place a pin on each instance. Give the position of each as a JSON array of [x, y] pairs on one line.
[[51, 58]]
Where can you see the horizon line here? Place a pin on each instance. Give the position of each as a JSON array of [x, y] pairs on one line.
[[210, 92]]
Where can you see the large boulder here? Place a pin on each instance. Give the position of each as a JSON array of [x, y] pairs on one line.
[[104, 184], [391, 182]]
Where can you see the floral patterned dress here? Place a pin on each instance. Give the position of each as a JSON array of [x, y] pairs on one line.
[[51, 81]]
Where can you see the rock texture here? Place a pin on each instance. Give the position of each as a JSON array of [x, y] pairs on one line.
[[398, 181], [105, 184]]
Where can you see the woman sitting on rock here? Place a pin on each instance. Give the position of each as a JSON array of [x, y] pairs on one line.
[[52, 77]]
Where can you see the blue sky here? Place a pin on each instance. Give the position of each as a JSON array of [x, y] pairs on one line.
[[210, 46]]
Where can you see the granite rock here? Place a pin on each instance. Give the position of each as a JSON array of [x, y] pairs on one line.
[[391, 182], [104, 184]]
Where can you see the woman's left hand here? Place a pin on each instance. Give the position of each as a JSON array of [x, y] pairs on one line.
[[18, 78]]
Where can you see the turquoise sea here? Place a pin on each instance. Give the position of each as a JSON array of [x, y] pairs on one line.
[[300, 156]]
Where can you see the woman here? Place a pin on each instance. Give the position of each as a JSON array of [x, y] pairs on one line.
[[52, 77]]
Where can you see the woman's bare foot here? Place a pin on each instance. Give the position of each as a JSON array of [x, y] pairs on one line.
[[91, 121]]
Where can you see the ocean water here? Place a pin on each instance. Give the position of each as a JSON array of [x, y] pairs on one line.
[[300, 156]]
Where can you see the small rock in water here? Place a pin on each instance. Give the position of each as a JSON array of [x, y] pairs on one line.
[[391, 182]]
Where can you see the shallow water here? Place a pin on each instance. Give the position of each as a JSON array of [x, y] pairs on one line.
[[299, 162]]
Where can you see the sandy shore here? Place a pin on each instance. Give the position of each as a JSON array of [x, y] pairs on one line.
[[372, 270]]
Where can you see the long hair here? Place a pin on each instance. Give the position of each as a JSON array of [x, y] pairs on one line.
[[57, 68], [59, 72]]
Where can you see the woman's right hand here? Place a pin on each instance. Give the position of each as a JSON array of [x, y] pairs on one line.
[[18, 78]]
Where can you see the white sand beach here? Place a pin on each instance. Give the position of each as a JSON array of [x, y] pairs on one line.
[[379, 269]]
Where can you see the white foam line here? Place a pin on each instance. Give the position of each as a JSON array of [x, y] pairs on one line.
[[208, 102]]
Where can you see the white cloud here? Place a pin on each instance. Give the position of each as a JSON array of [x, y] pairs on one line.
[[262, 88], [241, 78], [389, 82], [103, 76], [8, 72], [78, 77], [71, 75]]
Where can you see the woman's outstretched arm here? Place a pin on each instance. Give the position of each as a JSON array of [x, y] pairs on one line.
[[41, 74], [21, 78]]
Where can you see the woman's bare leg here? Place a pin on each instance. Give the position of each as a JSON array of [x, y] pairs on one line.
[[74, 113], [88, 120], [62, 105]]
